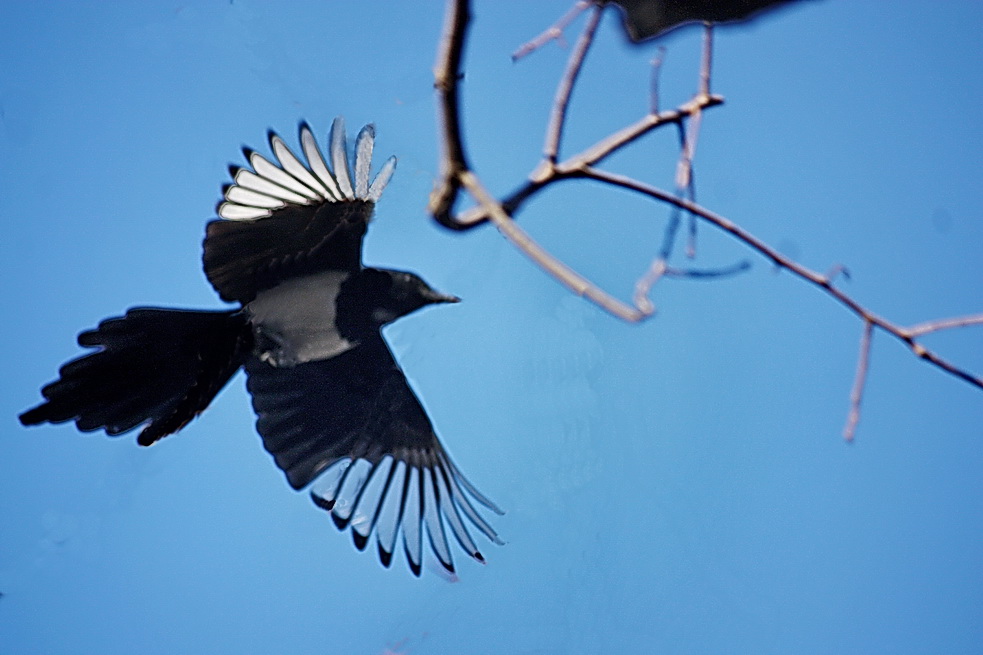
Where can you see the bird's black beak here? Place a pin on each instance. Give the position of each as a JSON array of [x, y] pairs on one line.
[[437, 297], [443, 297]]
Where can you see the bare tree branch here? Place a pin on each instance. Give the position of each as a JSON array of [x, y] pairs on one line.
[[685, 182], [691, 135], [456, 174], [552, 33], [654, 84], [859, 382], [559, 113], [596, 153], [906, 335], [546, 174], [566, 275], [447, 73], [943, 324], [706, 65]]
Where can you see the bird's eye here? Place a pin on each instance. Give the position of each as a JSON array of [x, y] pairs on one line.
[[382, 315]]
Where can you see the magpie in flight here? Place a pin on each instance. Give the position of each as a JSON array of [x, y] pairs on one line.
[[333, 407]]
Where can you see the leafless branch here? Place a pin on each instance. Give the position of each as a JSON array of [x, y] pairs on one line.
[[706, 65], [685, 186], [559, 113], [552, 33], [566, 275], [690, 136], [685, 183], [928, 327], [571, 167], [456, 174], [447, 74], [906, 335], [654, 83], [709, 273], [859, 382], [614, 142], [643, 286]]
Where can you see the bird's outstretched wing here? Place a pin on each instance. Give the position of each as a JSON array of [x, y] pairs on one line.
[[352, 426], [292, 219]]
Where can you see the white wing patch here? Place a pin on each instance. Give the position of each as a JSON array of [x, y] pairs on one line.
[[298, 316], [257, 193]]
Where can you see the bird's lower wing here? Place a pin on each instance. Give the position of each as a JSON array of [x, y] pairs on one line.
[[352, 426]]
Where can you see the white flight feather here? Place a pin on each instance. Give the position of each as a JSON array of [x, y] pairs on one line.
[[339, 157], [270, 186]]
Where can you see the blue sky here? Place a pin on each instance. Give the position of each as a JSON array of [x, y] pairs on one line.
[[674, 487]]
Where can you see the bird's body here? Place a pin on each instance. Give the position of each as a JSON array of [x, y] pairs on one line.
[[298, 316], [333, 407]]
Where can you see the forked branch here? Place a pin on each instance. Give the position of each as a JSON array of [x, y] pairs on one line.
[[456, 174]]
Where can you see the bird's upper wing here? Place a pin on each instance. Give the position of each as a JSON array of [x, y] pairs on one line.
[[292, 219], [352, 426]]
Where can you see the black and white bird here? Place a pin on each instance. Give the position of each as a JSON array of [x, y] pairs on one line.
[[333, 407]]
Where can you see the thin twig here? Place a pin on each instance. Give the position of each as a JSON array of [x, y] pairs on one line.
[[645, 283], [708, 273], [609, 145], [692, 133], [859, 382], [558, 114], [552, 33], [691, 235], [943, 324], [684, 176], [684, 171], [669, 235], [706, 65], [654, 82]]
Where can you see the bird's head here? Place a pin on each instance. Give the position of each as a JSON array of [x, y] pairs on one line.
[[375, 297], [403, 293]]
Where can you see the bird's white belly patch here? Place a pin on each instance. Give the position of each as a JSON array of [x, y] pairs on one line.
[[298, 318]]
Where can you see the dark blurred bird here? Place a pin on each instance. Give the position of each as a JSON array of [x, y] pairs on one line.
[[646, 19], [333, 407]]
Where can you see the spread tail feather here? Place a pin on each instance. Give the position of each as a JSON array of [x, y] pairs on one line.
[[159, 365]]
